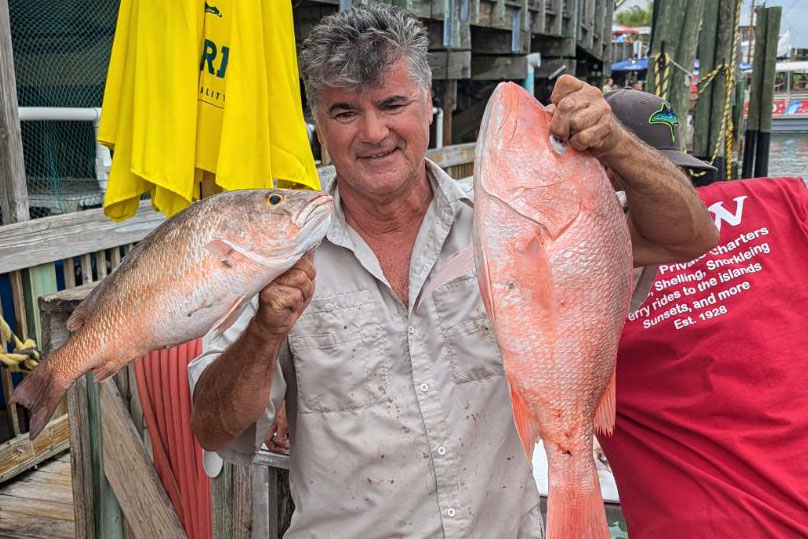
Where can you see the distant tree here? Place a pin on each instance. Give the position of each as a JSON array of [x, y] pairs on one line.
[[636, 16]]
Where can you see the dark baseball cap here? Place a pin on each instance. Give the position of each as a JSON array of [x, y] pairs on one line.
[[651, 118]]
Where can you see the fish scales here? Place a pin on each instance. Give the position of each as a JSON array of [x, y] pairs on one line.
[[553, 257], [195, 272]]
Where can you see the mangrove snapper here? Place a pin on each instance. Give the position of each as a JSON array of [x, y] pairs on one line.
[[195, 272]]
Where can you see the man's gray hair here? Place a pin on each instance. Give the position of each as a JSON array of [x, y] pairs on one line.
[[355, 47]]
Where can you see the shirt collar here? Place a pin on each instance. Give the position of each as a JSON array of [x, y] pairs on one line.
[[446, 194]]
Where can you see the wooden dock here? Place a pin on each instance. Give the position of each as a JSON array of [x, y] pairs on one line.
[[38, 504]]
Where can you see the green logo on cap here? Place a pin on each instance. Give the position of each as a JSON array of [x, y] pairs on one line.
[[665, 115]]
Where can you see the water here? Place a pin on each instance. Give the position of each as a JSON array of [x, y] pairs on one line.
[[788, 154]]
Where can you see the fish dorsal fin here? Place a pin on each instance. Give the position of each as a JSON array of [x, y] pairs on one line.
[[461, 261], [84, 309], [226, 251], [232, 314], [79, 316]]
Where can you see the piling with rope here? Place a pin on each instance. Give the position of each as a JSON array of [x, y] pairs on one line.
[[673, 49], [714, 137]]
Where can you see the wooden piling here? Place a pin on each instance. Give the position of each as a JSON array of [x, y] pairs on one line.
[[673, 51], [753, 116], [13, 191], [767, 92]]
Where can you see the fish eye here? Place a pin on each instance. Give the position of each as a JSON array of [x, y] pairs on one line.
[[274, 199], [557, 144]]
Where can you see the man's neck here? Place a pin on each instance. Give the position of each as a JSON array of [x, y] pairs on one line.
[[374, 217]]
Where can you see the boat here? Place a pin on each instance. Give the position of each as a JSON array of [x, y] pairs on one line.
[[790, 105]]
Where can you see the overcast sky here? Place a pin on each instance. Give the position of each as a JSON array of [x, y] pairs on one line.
[[795, 18]]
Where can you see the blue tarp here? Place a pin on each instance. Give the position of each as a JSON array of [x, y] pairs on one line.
[[631, 65], [641, 64]]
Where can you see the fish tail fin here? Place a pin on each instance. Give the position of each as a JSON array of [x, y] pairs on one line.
[[40, 392], [527, 424], [575, 510], [606, 410]]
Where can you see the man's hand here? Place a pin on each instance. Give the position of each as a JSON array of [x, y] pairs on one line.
[[583, 118], [283, 300], [277, 439]]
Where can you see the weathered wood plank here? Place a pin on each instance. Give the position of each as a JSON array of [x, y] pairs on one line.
[[131, 474], [27, 489], [498, 67], [108, 515], [20, 453], [73, 234], [33, 507], [80, 460], [39, 528], [221, 492], [13, 190], [37, 281], [242, 502], [264, 510], [459, 154]]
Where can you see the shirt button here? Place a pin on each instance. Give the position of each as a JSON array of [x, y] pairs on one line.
[[410, 330], [442, 451], [451, 512], [424, 388]]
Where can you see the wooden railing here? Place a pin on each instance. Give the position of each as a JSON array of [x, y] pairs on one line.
[[47, 261], [41, 257]]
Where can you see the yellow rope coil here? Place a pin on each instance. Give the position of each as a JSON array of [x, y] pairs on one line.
[[25, 355]]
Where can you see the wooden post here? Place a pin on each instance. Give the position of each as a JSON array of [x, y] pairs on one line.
[[753, 117], [701, 121], [676, 35], [13, 191], [449, 98], [767, 94]]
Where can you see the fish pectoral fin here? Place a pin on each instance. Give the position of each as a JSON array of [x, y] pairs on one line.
[[527, 424], [227, 251], [460, 262], [221, 250], [484, 279], [606, 410], [230, 316]]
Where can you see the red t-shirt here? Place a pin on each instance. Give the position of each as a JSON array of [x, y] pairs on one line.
[[711, 438]]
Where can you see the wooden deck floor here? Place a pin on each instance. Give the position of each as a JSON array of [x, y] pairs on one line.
[[38, 504]]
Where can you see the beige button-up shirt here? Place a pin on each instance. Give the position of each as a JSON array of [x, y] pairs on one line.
[[399, 417]]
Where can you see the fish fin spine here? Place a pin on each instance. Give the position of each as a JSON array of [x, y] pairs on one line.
[[573, 513], [527, 425], [606, 410]]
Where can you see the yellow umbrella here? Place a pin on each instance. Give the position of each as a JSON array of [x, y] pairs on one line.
[[202, 87]]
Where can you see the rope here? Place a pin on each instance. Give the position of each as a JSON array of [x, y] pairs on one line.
[[25, 355], [727, 130], [661, 83]]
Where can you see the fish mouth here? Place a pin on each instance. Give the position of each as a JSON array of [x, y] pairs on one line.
[[317, 208]]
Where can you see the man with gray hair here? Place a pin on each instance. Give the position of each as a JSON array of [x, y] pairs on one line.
[[399, 413]]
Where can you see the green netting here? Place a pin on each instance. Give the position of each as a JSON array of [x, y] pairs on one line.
[[61, 52]]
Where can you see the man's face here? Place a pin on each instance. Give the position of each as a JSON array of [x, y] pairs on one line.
[[377, 137]]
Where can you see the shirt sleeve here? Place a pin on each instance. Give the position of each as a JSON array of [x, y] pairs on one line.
[[244, 448], [643, 277]]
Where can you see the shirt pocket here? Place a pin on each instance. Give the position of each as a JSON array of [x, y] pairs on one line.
[[467, 332], [340, 354]]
